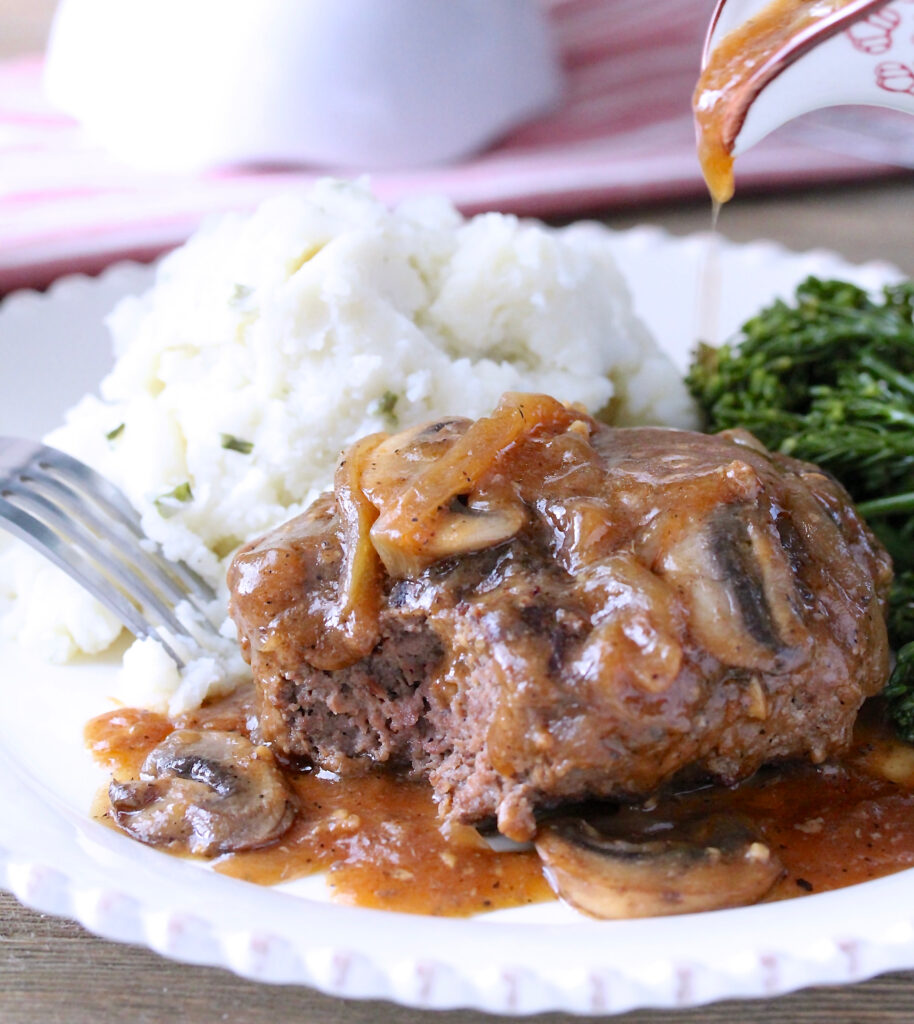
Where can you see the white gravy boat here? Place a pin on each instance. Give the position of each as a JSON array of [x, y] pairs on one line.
[[859, 52]]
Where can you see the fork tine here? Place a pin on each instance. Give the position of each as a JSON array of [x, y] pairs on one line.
[[101, 492], [87, 527], [17, 456], [72, 561], [145, 564], [72, 532]]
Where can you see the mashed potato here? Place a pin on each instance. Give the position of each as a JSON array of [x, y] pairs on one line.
[[271, 341]]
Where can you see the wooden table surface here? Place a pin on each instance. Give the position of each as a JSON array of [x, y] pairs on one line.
[[53, 970]]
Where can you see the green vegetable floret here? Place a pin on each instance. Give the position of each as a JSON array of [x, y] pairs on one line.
[[829, 378]]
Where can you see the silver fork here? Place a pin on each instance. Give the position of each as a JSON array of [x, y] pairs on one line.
[[87, 527]]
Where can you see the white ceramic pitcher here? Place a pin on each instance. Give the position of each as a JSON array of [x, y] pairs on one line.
[[859, 52]]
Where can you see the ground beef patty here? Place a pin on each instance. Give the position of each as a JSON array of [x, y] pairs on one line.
[[536, 608]]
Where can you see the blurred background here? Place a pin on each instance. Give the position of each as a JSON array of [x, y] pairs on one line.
[[135, 145], [24, 25]]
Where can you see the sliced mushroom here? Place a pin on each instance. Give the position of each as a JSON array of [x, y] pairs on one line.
[[207, 792], [467, 526], [710, 864], [739, 586], [400, 458], [434, 513], [466, 523]]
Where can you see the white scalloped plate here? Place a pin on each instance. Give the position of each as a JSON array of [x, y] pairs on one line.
[[54, 858]]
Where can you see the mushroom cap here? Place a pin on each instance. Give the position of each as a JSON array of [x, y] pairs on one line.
[[706, 864], [206, 792]]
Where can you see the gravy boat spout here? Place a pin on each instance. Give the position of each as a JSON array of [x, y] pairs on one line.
[[765, 63]]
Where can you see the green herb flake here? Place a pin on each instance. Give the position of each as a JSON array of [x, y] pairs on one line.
[[235, 444], [386, 406], [240, 294], [118, 430], [168, 504]]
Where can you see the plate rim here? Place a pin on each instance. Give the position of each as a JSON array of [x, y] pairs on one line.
[[506, 986]]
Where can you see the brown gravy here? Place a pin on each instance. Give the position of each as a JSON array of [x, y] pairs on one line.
[[378, 837], [731, 73]]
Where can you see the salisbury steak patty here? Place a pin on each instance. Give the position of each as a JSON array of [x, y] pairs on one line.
[[536, 608]]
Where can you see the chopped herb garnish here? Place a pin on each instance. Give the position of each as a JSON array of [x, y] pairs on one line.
[[385, 406], [240, 294], [235, 444], [181, 493], [167, 504], [118, 430]]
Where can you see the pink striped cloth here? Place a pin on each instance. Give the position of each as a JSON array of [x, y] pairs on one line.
[[622, 135]]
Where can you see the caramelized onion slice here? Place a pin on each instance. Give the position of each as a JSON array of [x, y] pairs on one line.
[[423, 523], [356, 626], [713, 863]]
